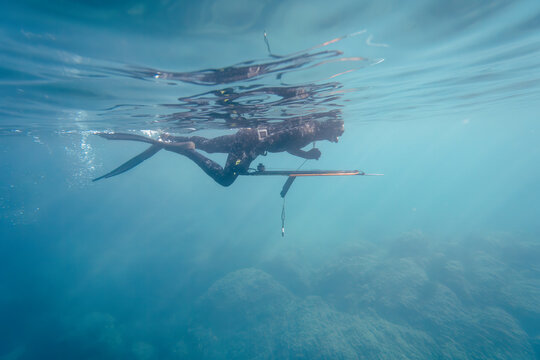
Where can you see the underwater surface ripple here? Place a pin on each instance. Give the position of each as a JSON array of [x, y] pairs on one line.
[[436, 259]]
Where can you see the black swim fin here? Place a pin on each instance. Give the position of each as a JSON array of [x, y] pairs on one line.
[[130, 164]]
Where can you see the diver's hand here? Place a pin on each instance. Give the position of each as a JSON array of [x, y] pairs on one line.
[[314, 154]]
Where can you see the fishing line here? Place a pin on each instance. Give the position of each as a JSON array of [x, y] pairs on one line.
[[285, 188], [283, 218]]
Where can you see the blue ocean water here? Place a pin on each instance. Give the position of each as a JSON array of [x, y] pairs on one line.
[[437, 259]]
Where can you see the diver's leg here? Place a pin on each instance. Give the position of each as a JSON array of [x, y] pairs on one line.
[[222, 176], [220, 144], [148, 153], [183, 142], [238, 163]]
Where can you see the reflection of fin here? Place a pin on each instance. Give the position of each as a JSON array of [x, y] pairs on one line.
[[130, 164]]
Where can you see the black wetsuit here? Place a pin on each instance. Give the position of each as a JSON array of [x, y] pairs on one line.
[[243, 147]]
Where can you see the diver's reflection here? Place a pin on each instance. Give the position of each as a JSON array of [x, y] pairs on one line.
[[250, 106]]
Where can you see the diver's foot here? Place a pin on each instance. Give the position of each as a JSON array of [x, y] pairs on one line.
[[107, 135], [186, 145], [166, 138], [125, 136]]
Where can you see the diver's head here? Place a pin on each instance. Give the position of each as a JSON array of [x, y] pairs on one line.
[[330, 130]]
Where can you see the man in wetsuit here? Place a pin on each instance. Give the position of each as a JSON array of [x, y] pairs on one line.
[[243, 147]]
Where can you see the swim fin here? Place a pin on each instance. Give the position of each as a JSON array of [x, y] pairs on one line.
[[130, 164], [124, 136], [186, 145]]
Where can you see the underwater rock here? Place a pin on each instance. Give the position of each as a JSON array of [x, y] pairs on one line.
[[523, 295], [15, 354], [289, 271], [453, 274], [242, 292], [499, 280], [356, 283], [411, 244], [494, 334], [93, 335], [143, 351], [461, 306], [103, 330], [515, 291], [180, 350], [536, 345], [254, 317], [444, 300]]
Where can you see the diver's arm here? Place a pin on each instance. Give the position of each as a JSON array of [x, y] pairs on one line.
[[311, 154], [223, 176]]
